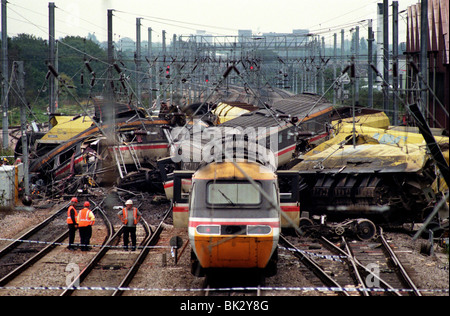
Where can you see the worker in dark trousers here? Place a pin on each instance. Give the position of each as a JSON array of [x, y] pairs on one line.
[[72, 215], [129, 216], [86, 220]]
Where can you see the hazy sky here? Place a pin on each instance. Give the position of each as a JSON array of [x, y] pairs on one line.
[[184, 17]]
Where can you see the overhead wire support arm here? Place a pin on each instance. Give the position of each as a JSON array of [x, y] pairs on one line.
[[63, 83], [205, 101], [233, 67], [323, 95]]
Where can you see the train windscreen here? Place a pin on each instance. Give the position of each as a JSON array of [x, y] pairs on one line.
[[232, 194]]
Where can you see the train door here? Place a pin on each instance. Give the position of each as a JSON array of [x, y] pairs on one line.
[[182, 182], [288, 182]]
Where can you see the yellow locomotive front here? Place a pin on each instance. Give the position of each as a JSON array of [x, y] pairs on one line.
[[231, 223]]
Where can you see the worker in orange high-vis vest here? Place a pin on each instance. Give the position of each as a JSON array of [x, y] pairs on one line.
[[130, 217], [86, 220], [72, 215]]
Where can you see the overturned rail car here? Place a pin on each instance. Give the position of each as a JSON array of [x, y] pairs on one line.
[[89, 157], [384, 175], [289, 127]]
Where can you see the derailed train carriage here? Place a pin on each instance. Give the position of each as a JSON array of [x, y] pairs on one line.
[[385, 175], [235, 208], [373, 173], [90, 158], [289, 127]]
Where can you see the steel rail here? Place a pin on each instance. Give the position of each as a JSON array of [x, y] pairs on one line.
[[13, 274], [312, 265], [106, 247], [109, 225], [351, 258], [230, 290], [31, 232], [332, 246], [401, 269], [150, 241], [108, 241]]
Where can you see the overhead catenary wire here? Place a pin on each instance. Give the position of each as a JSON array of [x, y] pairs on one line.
[[320, 29], [182, 23]]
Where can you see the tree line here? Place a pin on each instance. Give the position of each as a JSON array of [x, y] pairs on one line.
[[72, 54]]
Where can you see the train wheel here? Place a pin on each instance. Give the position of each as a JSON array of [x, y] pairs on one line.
[[365, 229], [304, 225]]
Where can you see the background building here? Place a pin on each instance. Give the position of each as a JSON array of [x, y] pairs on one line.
[[437, 76]]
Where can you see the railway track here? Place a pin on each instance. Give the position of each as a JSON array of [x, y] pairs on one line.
[[236, 283], [113, 267], [42, 246], [340, 261], [354, 268], [152, 241], [19, 255], [325, 274], [105, 266]]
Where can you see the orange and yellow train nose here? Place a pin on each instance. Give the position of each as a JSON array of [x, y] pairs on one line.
[[234, 246]]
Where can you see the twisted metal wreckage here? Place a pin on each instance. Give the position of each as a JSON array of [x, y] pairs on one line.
[[346, 157]]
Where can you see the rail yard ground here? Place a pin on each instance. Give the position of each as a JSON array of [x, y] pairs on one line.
[[159, 275]]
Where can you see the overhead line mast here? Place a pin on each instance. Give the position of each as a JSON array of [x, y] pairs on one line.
[[5, 75], [52, 58]]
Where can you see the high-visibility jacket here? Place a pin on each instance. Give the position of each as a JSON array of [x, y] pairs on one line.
[[69, 218], [86, 218], [125, 216]]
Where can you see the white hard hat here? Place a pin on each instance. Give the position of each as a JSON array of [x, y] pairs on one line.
[[129, 202]]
